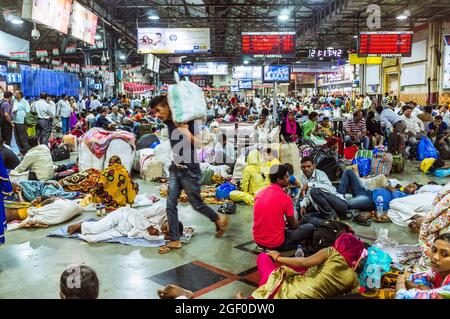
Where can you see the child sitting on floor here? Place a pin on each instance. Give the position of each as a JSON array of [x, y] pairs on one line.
[[294, 185], [350, 150]]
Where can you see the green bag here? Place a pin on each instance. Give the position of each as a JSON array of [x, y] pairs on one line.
[[31, 118], [398, 164]]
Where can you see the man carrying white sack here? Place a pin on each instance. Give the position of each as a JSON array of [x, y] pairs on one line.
[[409, 211], [144, 223]]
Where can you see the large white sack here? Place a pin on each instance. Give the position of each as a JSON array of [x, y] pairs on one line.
[[186, 100], [163, 153], [86, 159], [58, 212], [122, 149], [139, 155], [151, 168]]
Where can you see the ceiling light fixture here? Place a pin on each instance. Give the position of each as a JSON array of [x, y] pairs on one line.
[[122, 57], [246, 62], [98, 37], [330, 48], [402, 17], [188, 62], [283, 17], [153, 17]]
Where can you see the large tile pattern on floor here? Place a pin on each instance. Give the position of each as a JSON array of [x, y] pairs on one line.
[[31, 263]]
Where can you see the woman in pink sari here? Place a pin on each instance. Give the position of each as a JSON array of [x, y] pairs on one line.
[[290, 130], [327, 273]]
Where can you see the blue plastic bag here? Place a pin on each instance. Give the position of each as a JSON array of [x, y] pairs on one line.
[[387, 197], [426, 149], [378, 262], [363, 165], [154, 144], [224, 190]]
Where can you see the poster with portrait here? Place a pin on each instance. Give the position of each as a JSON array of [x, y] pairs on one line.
[[174, 40]]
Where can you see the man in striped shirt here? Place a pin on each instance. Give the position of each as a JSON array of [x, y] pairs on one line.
[[355, 130]]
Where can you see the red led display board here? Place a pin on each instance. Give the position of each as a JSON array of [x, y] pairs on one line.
[[268, 43], [385, 44]]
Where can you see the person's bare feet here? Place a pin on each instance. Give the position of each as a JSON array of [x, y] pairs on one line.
[[239, 295], [222, 224], [173, 291], [75, 228]]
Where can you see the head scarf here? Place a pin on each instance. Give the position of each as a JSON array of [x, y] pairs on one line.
[[291, 128], [254, 158], [349, 247], [115, 160]]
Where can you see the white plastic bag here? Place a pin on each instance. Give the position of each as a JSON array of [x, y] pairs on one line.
[[186, 100]]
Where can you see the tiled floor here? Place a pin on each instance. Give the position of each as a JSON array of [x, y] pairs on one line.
[[31, 263]]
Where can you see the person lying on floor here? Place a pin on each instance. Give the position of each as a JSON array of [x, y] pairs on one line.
[[434, 283], [320, 198], [36, 191], [174, 292], [130, 222], [88, 287], [329, 272], [364, 199], [272, 206], [410, 211]]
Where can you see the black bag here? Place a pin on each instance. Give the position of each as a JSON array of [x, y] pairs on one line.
[[326, 234], [60, 154], [444, 150], [329, 166]]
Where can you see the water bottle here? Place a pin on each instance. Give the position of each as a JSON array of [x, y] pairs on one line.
[[98, 210], [380, 210], [299, 252]]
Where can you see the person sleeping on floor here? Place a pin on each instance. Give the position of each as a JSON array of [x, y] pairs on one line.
[[147, 222]]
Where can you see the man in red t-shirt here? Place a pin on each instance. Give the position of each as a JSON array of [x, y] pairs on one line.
[[273, 209]]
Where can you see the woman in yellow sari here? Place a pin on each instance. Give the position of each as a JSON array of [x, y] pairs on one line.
[[115, 187], [329, 272], [253, 179]]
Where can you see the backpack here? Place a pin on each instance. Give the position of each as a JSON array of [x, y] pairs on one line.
[[326, 234], [60, 153], [329, 166]]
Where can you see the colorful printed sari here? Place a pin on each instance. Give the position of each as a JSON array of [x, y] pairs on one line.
[[115, 187], [81, 182], [98, 139]]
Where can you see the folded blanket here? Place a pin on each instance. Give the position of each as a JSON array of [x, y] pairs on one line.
[[136, 242], [98, 139]]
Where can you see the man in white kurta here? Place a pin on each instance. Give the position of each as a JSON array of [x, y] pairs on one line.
[[402, 210], [123, 222]]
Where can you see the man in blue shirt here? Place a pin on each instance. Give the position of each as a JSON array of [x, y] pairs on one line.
[[438, 129], [20, 110]]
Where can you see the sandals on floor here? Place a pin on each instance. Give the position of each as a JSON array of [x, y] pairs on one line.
[[349, 215], [380, 219], [362, 219], [167, 249]]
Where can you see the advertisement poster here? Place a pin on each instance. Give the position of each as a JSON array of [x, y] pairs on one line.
[[52, 13], [446, 66], [277, 73], [84, 24], [171, 41]]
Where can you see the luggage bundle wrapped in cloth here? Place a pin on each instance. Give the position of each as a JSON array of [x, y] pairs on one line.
[[186, 101]]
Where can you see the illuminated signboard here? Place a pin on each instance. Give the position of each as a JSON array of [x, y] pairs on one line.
[[84, 24], [329, 53], [203, 68], [277, 73], [268, 43], [13, 78], [234, 88], [385, 44], [247, 72], [245, 84]]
